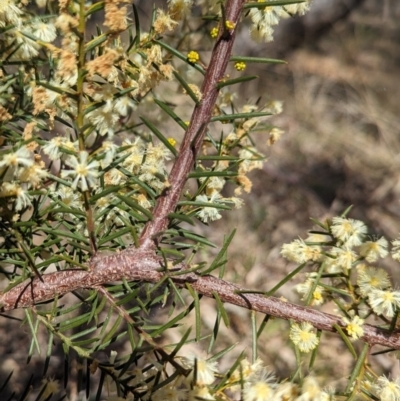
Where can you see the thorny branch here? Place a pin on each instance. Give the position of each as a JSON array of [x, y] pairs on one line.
[[142, 264], [194, 135]]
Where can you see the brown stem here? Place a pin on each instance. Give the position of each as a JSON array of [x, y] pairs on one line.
[[144, 265], [193, 139]]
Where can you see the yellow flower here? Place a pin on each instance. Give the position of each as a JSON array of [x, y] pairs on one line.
[[311, 390], [305, 288], [33, 175], [22, 157], [371, 278], [164, 22], [240, 66], [298, 251], [230, 25], [193, 57], [261, 388], [172, 141], [178, 9], [303, 336], [384, 302], [354, 327], [214, 32], [349, 231], [245, 371], [372, 250], [12, 189], [203, 371], [387, 390], [82, 172]]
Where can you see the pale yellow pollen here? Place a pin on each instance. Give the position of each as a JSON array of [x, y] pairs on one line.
[[374, 282], [305, 336], [82, 170], [13, 160], [352, 329], [317, 295], [388, 296]]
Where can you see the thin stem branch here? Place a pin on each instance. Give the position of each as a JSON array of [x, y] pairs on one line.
[[193, 139], [143, 265], [80, 118]]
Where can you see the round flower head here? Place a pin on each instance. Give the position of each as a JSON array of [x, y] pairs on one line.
[[21, 158], [300, 9], [193, 57], [214, 32], [32, 175], [229, 25], [44, 31], [303, 336], [312, 391], [349, 231], [396, 249], [68, 196], [260, 389], [84, 173], [9, 13], [109, 149], [344, 258], [387, 390], [354, 327], [208, 213], [305, 288], [269, 15], [371, 278], [372, 250], [52, 147], [12, 189], [179, 8], [246, 371], [203, 371], [286, 391], [384, 302], [298, 251], [163, 22]]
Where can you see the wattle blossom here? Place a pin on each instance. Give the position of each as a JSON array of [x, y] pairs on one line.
[[83, 173]]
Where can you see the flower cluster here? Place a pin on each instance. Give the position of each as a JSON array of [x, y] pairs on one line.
[[84, 149], [342, 252], [250, 381], [193, 57], [381, 388], [22, 170], [265, 18]]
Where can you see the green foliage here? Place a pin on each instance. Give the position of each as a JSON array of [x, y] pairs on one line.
[[85, 166]]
